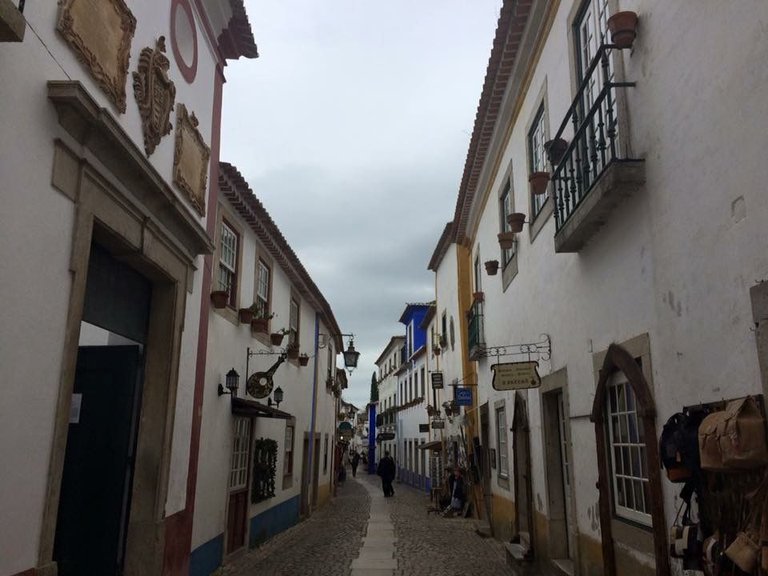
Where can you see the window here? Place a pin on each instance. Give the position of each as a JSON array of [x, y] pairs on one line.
[[444, 328], [478, 274], [294, 323], [288, 461], [505, 209], [238, 471], [536, 158], [626, 447], [423, 380], [325, 455], [501, 445], [228, 263], [262, 290]]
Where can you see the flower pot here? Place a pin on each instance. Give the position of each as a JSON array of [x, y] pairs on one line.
[[436, 350], [293, 352], [506, 240], [303, 360], [245, 315], [516, 221], [219, 298], [492, 267], [276, 338], [555, 150], [539, 181], [623, 28], [478, 296], [260, 325]]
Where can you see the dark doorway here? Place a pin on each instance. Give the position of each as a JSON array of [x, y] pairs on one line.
[[522, 472]]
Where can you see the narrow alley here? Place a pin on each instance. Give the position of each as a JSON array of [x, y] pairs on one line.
[[362, 533]]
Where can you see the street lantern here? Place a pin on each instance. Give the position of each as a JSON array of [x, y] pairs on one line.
[[351, 356], [278, 394], [232, 383]]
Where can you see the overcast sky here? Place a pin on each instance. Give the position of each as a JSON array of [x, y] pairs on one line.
[[352, 127]]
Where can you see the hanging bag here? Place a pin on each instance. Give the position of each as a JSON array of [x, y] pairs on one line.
[[685, 538], [745, 548], [734, 438]]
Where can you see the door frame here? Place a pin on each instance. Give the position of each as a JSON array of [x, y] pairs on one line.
[[523, 489]]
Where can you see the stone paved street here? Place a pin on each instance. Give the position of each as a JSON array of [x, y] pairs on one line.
[[353, 535]]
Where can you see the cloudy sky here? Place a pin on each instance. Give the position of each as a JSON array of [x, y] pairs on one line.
[[352, 127]]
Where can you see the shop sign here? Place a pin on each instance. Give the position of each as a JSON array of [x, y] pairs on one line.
[[423, 427], [437, 380], [384, 436], [464, 396], [438, 424], [515, 376]]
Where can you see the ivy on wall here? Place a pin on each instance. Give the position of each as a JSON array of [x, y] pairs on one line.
[[264, 469]]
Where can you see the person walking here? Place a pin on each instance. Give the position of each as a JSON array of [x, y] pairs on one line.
[[386, 470], [355, 460], [456, 483]]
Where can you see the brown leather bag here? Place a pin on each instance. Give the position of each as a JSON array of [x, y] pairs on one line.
[[733, 438]]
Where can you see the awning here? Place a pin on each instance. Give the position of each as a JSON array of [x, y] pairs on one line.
[[436, 445], [243, 407], [345, 426]]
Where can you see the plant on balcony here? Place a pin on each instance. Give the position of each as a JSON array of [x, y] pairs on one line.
[[491, 267], [555, 150], [292, 350], [506, 240], [219, 298], [478, 296], [260, 322], [623, 28], [277, 337], [303, 359], [246, 315], [539, 182], [516, 221]]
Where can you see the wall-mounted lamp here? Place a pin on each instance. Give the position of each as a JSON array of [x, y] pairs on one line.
[[233, 381], [278, 394], [351, 356]]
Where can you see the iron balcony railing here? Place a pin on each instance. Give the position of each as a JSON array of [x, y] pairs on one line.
[[475, 338], [595, 144]]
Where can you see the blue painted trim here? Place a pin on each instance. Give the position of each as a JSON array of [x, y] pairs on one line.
[[206, 558], [273, 521]]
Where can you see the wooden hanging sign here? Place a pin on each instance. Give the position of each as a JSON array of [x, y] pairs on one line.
[[515, 376]]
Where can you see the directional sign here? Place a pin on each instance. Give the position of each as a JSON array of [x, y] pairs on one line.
[[437, 380], [464, 396], [515, 376]]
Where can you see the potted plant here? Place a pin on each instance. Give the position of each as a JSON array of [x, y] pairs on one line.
[[277, 337], [478, 296], [260, 322], [436, 350], [491, 267], [623, 28], [506, 240], [303, 359], [219, 298], [246, 314], [516, 221], [539, 181], [555, 149], [292, 350]]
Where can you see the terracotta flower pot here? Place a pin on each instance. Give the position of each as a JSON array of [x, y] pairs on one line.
[[276, 338], [555, 150], [260, 325], [539, 181], [303, 360], [219, 298], [436, 350], [506, 240], [478, 296], [623, 28], [245, 315], [293, 352], [492, 267], [516, 221]]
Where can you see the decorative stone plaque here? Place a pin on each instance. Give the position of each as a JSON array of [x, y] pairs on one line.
[[155, 94], [190, 159], [100, 32]]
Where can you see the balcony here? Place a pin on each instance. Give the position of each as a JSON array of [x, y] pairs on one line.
[[475, 336], [594, 173], [12, 23]]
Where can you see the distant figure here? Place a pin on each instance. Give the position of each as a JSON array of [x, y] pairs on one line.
[[354, 460], [457, 490], [386, 470]]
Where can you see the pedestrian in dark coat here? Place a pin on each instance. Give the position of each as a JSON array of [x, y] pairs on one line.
[[386, 470], [355, 461]]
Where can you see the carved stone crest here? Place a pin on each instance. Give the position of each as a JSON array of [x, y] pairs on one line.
[[100, 34], [155, 94], [190, 159]]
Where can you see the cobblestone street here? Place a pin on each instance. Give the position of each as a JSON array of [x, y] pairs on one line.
[[353, 535]]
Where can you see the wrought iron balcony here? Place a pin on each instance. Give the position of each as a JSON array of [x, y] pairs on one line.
[[476, 329], [594, 172]]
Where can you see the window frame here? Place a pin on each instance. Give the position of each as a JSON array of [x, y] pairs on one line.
[[233, 269], [288, 453], [537, 159], [239, 461], [502, 443], [263, 301], [294, 321]]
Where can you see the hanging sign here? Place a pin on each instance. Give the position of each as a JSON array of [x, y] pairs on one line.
[[423, 428], [437, 380], [464, 396], [438, 424], [515, 376]]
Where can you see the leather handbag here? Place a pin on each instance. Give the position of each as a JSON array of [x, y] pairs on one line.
[[733, 438], [743, 551], [685, 539]]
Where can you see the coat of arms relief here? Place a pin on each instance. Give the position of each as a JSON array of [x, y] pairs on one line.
[[155, 94]]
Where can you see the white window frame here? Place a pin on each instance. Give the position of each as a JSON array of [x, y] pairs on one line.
[[238, 469], [290, 432], [263, 280], [537, 159], [626, 452], [294, 321], [502, 441], [505, 209], [228, 257]]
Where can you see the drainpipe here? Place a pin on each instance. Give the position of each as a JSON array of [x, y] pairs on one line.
[[310, 469]]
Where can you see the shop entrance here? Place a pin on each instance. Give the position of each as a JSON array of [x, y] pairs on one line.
[[95, 500]]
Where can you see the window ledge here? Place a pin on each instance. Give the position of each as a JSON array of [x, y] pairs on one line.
[[618, 181], [12, 23]]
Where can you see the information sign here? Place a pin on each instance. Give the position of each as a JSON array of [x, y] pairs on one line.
[[515, 376], [437, 380], [464, 396]]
